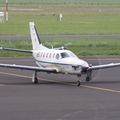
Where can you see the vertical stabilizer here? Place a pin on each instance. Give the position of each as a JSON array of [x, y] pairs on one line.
[[36, 42]]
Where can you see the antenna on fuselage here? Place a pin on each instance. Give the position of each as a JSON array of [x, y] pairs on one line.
[[50, 44]]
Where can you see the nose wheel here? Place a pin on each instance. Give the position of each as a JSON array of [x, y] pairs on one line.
[[78, 83]]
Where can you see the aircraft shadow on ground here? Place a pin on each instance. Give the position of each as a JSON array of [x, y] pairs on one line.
[[41, 82], [60, 83]]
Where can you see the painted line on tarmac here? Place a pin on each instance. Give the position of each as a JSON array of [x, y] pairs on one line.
[[2, 85], [23, 76], [17, 75], [101, 89], [85, 86]]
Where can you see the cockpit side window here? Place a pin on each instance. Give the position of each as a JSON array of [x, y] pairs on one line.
[[64, 55]]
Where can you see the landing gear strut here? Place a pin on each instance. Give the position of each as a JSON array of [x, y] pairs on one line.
[[34, 78], [79, 81], [89, 75]]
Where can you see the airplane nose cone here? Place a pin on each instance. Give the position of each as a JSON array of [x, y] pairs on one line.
[[80, 62], [85, 64], [76, 62]]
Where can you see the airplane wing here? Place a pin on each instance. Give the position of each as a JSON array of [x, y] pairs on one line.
[[32, 68], [111, 65], [17, 50]]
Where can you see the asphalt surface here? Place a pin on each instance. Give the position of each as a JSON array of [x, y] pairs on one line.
[[55, 98], [62, 36]]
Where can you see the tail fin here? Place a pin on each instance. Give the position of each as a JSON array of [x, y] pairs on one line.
[[36, 42]]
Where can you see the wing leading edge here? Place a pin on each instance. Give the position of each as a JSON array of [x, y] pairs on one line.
[[111, 65], [32, 68]]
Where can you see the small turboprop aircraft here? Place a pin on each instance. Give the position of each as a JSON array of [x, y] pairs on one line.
[[55, 60]]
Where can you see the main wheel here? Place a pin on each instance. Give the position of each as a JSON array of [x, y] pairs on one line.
[[88, 79], [35, 80], [89, 75], [78, 83]]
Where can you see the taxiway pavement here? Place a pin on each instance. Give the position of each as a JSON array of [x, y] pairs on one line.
[[54, 98], [65, 36]]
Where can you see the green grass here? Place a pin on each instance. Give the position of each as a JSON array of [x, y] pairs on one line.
[[63, 1], [82, 23], [19, 44], [75, 21], [81, 47], [88, 47]]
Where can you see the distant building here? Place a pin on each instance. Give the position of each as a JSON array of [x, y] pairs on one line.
[[2, 17], [60, 16]]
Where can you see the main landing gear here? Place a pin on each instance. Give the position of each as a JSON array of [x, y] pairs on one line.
[[34, 78], [88, 77], [78, 83]]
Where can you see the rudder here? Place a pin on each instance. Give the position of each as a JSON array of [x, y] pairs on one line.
[[36, 42]]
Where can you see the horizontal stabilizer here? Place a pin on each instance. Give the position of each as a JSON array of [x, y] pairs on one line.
[[17, 50]]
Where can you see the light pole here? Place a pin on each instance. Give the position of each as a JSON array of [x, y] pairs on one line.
[[6, 10]]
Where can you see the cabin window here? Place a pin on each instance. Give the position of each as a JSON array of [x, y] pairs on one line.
[[54, 55], [47, 55], [38, 54], [50, 55], [43, 55], [57, 56]]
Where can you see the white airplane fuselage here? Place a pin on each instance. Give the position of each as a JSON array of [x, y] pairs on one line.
[[63, 61]]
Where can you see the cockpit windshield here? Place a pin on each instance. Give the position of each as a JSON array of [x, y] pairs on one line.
[[64, 55], [67, 54], [72, 54]]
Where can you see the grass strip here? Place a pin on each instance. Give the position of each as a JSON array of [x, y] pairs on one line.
[[81, 47]]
